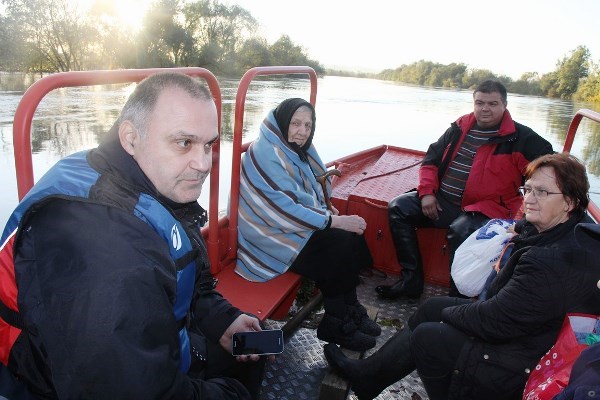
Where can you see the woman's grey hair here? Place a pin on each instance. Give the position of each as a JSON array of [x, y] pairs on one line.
[[141, 102]]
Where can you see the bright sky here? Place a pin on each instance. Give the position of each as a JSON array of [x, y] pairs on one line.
[[505, 36]]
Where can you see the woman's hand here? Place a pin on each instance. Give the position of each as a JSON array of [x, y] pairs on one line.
[[351, 223]]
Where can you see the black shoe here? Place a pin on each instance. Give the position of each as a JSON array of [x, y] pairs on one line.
[[344, 332], [371, 375], [397, 291], [353, 371], [345, 367], [365, 324]]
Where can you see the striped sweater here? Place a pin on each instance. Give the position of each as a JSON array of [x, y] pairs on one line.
[[281, 204]]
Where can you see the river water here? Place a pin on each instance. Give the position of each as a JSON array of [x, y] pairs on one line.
[[352, 114]]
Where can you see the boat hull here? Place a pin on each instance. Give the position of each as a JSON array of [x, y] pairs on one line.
[[370, 179]]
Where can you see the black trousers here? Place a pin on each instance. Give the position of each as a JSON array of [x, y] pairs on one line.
[[435, 346], [333, 258], [405, 211], [222, 364]]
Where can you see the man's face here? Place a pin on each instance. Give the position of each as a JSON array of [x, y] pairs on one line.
[[176, 152], [489, 109]]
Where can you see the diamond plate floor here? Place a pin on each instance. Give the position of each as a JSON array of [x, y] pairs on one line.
[[298, 372]]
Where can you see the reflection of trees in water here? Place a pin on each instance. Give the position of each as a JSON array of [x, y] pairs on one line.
[[227, 122], [264, 94], [16, 82], [71, 119], [558, 120], [559, 116], [591, 152]]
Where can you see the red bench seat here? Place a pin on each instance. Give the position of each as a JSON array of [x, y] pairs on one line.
[[271, 299]]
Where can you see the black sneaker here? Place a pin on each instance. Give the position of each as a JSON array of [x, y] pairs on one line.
[[344, 332]]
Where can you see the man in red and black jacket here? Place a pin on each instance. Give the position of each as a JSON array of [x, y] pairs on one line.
[[470, 175]]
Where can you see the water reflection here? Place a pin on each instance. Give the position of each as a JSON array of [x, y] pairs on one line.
[[352, 114]]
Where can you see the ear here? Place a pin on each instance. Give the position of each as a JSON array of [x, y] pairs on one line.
[[570, 204], [128, 136]]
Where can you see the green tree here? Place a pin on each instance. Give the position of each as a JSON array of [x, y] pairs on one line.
[[115, 46], [163, 41], [528, 83], [570, 70], [474, 77], [285, 52], [589, 88], [218, 30], [57, 36], [13, 46], [254, 52]]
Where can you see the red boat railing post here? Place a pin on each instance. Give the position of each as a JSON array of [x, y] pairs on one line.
[[593, 209], [36, 92], [239, 148]]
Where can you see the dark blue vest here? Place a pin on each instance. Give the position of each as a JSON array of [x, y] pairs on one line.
[[72, 177]]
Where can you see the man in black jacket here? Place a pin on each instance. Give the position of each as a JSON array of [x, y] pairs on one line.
[[114, 291]]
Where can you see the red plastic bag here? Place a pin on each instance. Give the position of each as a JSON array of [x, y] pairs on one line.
[[551, 375]]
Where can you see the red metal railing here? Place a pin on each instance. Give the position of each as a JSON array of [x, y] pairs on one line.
[[239, 148], [36, 92], [594, 116]]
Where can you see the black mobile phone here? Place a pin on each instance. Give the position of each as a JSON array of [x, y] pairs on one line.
[[258, 342]]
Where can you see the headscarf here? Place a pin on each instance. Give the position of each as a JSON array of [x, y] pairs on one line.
[[283, 115]]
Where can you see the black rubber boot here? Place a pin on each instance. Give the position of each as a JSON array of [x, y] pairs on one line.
[[370, 376], [410, 286]]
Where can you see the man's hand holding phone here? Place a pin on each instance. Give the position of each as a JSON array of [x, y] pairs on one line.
[[265, 342], [243, 323]]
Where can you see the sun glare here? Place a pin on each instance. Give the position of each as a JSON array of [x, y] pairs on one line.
[[128, 13]]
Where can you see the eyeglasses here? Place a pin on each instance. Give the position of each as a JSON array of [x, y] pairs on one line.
[[537, 193]]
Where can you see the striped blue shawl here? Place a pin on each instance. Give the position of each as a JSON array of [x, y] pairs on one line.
[[281, 204]]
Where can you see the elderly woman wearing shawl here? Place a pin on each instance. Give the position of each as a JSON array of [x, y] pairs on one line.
[[284, 224]]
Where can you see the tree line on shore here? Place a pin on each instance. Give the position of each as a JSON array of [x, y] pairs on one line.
[[576, 77], [53, 35]]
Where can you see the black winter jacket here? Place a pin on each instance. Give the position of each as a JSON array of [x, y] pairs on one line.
[[96, 290], [547, 276]]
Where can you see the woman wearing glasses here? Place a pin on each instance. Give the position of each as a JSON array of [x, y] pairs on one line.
[[485, 349]]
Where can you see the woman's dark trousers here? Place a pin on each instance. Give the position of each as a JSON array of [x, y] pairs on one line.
[[435, 346]]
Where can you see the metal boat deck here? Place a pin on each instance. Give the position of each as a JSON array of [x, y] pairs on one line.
[[299, 371]]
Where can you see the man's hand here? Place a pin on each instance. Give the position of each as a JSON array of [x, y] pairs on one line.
[[351, 223], [430, 206], [243, 323]]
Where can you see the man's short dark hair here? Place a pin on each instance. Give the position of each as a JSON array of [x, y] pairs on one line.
[[141, 102], [491, 86]]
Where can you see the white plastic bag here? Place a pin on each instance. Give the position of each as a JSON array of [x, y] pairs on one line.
[[476, 256]]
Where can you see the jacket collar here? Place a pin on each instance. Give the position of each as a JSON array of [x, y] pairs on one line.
[[507, 125]]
